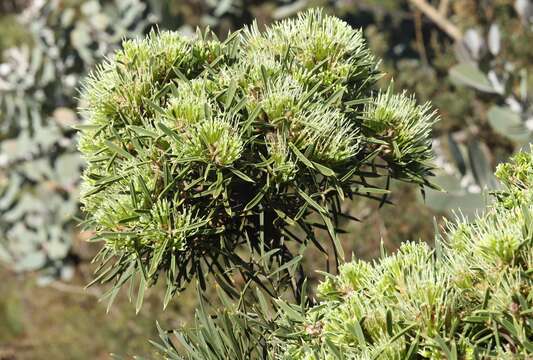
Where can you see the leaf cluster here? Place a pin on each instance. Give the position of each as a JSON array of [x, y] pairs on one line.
[[468, 298], [208, 156]]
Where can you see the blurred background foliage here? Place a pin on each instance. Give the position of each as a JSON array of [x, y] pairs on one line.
[[470, 58]]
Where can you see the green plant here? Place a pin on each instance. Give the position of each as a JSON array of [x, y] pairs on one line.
[[491, 71], [209, 157], [468, 298], [224, 158]]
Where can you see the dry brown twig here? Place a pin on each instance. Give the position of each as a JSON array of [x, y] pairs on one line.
[[439, 18], [443, 7], [420, 37]]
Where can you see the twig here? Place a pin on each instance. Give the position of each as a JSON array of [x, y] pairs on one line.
[[438, 19], [420, 37], [443, 7]]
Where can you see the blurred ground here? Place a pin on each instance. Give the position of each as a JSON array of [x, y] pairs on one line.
[[62, 321]]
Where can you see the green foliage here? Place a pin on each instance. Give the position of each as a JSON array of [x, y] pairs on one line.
[[469, 298], [517, 178], [492, 66], [226, 337], [207, 156]]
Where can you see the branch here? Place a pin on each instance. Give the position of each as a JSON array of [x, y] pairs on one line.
[[438, 19], [443, 7]]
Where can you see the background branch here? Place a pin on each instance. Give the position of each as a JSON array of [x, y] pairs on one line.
[[438, 18]]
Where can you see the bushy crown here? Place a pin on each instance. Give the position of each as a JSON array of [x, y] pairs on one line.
[[198, 147], [469, 298]]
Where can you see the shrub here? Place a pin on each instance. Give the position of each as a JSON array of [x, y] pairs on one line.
[[207, 157], [469, 298], [210, 157]]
